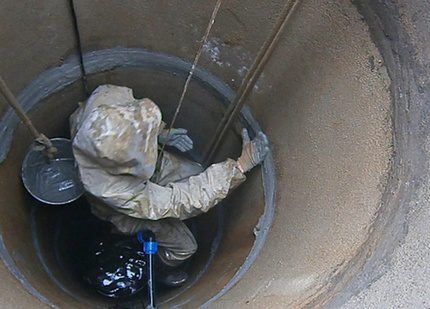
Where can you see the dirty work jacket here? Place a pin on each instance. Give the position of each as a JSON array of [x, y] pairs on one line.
[[115, 146]]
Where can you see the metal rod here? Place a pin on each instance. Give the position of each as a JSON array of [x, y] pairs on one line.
[[79, 46], [187, 82], [249, 81], [151, 278], [150, 248], [13, 102]]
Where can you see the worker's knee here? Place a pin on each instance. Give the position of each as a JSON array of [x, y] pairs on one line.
[[191, 246], [174, 254]]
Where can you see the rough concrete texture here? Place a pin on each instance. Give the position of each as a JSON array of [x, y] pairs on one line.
[[176, 28], [16, 222], [12, 295], [328, 88], [330, 92], [35, 35], [404, 281], [324, 100]]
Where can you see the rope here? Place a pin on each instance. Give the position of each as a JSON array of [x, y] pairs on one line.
[[249, 81], [40, 138], [187, 82]]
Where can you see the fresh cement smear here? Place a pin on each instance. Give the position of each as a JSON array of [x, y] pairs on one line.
[[57, 79]]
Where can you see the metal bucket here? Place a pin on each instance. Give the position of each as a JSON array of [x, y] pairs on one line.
[[53, 182]]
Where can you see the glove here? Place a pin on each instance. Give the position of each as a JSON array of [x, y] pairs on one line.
[[177, 138], [253, 152]]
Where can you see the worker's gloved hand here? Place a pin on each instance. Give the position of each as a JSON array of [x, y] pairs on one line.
[[177, 138], [253, 152]]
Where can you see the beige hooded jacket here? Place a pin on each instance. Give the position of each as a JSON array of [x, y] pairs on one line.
[[116, 147], [115, 143]]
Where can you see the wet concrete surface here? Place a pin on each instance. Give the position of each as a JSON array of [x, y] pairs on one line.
[[328, 105]]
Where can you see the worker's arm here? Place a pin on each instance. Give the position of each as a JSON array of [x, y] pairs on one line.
[[187, 198], [182, 200]]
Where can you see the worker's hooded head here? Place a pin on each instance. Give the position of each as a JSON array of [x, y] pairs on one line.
[[118, 134]]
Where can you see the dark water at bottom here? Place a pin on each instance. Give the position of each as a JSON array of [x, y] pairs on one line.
[[113, 265]]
